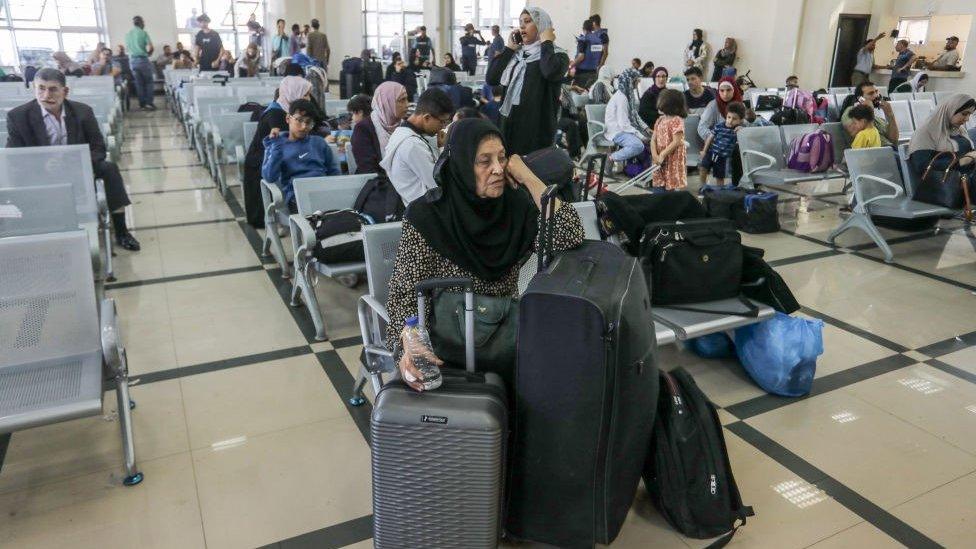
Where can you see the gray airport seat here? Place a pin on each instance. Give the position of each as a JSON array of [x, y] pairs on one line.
[[879, 190], [275, 225], [58, 352], [939, 97], [380, 244], [249, 128], [43, 167], [925, 96], [692, 324], [320, 194], [595, 126], [902, 96], [334, 107], [763, 155], [841, 90], [903, 117], [226, 143], [922, 110]]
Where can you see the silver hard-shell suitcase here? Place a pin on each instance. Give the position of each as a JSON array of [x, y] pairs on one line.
[[438, 457]]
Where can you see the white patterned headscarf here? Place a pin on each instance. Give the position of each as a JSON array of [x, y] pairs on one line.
[[514, 75]]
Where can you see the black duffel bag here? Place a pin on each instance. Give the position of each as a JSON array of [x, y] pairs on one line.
[[625, 217], [380, 201], [752, 211], [763, 284], [338, 235], [692, 261]]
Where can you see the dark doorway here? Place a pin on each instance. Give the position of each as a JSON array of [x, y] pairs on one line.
[[852, 31]]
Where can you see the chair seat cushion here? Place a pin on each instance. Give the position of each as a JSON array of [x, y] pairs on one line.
[[773, 176], [905, 208], [691, 324], [50, 391], [340, 269]]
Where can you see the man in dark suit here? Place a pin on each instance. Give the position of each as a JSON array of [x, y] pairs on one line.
[[51, 119]]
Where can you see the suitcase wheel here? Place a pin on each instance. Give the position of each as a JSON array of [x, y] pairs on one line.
[[357, 401]]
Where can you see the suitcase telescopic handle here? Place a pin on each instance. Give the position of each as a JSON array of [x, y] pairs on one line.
[[426, 287], [548, 209]]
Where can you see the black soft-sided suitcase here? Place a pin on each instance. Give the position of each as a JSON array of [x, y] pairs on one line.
[[438, 457], [586, 383]]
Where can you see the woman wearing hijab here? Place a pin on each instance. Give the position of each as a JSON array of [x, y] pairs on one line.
[[648, 102], [602, 89], [290, 89], [715, 111], [372, 133], [481, 223], [624, 125], [697, 50], [724, 58], [945, 131], [915, 85], [532, 74]]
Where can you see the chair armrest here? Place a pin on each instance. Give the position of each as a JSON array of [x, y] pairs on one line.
[[303, 239], [861, 203], [100, 198], [376, 306], [239, 153], [770, 161], [111, 339], [276, 199]]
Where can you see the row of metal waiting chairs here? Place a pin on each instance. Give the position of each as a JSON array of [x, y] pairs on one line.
[[380, 244], [60, 346]]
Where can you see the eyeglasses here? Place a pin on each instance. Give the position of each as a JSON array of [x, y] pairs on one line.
[[307, 122]]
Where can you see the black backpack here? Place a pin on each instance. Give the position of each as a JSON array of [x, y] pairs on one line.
[[338, 235], [380, 201], [352, 65], [256, 110], [789, 116], [687, 473]]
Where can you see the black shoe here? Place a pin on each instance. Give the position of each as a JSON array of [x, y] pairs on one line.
[[128, 242]]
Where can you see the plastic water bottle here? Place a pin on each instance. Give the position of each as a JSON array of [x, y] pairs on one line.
[[416, 343]]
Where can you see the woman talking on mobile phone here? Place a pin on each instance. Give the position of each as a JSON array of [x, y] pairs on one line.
[[531, 70]]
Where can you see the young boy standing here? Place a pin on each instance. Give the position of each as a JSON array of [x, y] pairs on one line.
[[719, 145], [295, 153]]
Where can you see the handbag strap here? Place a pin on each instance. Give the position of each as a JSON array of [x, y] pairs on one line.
[[938, 155], [751, 312]]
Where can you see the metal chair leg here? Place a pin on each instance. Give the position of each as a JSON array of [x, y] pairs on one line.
[[132, 475]]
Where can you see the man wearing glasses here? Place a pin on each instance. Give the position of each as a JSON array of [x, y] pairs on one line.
[[296, 153]]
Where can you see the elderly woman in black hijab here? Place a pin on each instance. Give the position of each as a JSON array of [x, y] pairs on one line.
[[480, 223]]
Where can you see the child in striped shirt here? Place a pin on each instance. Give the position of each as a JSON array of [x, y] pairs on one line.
[[720, 144]]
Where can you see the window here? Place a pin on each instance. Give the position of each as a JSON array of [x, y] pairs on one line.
[[387, 22], [227, 17], [31, 31], [483, 14], [915, 29]]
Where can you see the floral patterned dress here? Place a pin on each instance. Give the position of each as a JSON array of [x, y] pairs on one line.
[[673, 174]]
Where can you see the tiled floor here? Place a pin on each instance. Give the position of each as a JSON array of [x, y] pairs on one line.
[[245, 437]]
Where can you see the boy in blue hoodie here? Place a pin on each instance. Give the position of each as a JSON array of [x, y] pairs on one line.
[[295, 153]]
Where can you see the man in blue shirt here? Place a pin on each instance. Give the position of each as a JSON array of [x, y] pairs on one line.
[[589, 54], [295, 153], [469, 48], [901, 71]]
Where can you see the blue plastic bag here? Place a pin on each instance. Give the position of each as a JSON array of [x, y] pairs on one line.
[[718, 345], [780, 354]]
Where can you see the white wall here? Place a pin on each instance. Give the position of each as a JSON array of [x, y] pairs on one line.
[[160, 16], [966, 84], [817, 34], [567, 20]]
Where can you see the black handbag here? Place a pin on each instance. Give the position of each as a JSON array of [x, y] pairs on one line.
[[692, 261], [763, 284], [950, 189]]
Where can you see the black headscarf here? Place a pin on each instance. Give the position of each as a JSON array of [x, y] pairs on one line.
[[484, 236]]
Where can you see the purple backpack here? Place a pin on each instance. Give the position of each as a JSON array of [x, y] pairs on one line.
[[811, 152]]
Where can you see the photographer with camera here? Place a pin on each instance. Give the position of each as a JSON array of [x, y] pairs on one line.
[[866, 93]]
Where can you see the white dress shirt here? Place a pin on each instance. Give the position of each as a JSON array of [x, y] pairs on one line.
[[57, 132]]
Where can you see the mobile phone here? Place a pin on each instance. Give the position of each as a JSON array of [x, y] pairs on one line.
[[517, 37]]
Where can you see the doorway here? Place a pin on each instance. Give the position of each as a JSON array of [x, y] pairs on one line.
[[852, 31]]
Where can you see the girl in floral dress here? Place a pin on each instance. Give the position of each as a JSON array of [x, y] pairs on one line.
[[668, 142]]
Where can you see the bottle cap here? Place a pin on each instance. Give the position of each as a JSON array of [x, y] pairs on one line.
[[412, 321]]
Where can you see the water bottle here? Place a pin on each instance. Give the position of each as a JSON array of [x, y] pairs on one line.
[[416, 343]]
